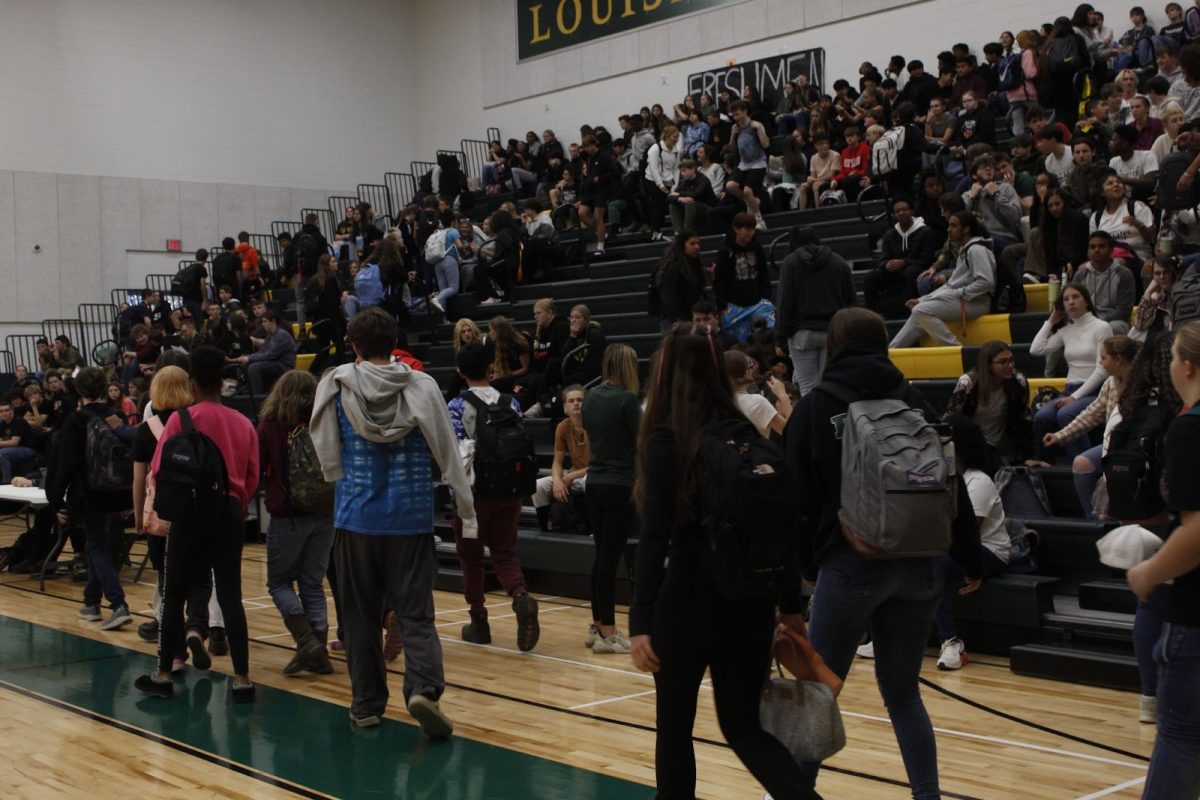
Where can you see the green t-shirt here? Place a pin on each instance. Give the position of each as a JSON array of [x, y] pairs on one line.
[[611, 417], [1025, 184]]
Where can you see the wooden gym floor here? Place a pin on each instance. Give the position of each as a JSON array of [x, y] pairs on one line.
[[559, 722]]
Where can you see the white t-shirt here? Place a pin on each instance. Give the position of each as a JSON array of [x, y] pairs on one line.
[[1141, 164], [1121, 233], [993, 533], [758, 410], [1061, 168]]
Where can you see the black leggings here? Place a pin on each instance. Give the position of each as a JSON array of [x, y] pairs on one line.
[[193, 548], [610, 510], [197, 594], [694, 629], [656, 203]]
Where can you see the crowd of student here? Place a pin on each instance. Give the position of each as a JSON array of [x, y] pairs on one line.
[[972, 221]]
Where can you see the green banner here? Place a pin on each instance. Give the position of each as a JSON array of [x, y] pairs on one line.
[[544, 26]]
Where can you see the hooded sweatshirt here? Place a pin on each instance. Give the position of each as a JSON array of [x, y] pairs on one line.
[[374, 429], [814, 283], [999, 212], [917, 246], [974, 275], [740, 274], [814, 449]]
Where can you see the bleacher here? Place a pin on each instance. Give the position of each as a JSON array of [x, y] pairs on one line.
[[1071, 620]]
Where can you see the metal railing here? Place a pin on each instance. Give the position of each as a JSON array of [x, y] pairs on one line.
[[325, 221], [378, 196], [126, 297], [402, 187], [283, 226], [419, 168], [23, 347], [268, 250], [99, 323], [475, 155], [493, 135], [338, 203], [8, 361], [72, 329]]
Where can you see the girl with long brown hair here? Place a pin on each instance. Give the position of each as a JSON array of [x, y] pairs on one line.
[[328, 323], [510, 351]]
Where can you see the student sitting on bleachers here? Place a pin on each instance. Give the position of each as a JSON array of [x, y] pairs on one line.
[[1154, 309], [1116, 356], [938, 272], [546, 352], [1073, 331], [741, 280], [966, 295], [996, 396], [570, 441], [510, 352], [995, 547], [907, 249], [583, 353], [1110, 284]]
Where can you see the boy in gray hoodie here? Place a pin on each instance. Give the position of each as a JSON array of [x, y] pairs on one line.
[[377, 427]]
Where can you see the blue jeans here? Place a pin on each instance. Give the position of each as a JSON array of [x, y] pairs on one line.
[[926, 285], [953, 580], [1085, 482], [13, 455], [447, 274], [102, 575], [896, 600], [1148, 623], [1049, 419], [807, 350], [1175, 765], [298, 553]]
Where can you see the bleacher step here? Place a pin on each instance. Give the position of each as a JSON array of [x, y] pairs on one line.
[[1089, 665], [1107, 595]]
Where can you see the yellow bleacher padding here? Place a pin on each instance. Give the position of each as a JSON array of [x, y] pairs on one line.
[[978, 331], [1037, 297], [304, 361], [296, 330], [927, 362], [1035, 384]]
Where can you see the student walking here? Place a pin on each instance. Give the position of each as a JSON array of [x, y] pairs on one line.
[[484, 417], [1175, 763], [611, 415], [209, 537], [377, 422], [672, 619], [300, 534]]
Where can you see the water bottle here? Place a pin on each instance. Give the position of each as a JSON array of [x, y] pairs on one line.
[[1166, 240], [1052, 292]]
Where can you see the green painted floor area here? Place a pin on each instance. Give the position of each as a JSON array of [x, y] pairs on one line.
[[305, 742]]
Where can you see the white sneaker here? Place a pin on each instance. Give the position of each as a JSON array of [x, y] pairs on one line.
[[866, 650], [593, 636], [611, 645], [534, 410], [433, 301], [1148, 713], [760, 224], [953, 655]]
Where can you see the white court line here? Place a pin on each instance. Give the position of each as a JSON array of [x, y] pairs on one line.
[[272, 636], [1009, 742], [504, 616], [1113, 789], [703, 684], [570, 661], [507, 602]]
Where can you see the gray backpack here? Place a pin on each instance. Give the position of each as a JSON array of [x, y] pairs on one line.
[[899, 488]]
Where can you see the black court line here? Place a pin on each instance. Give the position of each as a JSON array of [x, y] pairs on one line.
[[211, 758], [1035, 725], [510, 698]]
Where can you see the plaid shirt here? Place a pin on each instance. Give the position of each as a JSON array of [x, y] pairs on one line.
[[388, 488]]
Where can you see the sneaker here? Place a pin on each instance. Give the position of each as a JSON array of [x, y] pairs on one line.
[[433, 301], [599, 251], [760, 224], [593, 635], [434, 723], [148, 631], [953, 655], [178, 666], [611, 645], [630, 228], [119, 619], [337, 646], [90, 614], [866, 650], [533, 411], [153, 687], [368, 721], [491, 301], [525, 606], [1148, 713], [393, 645], [218, 642], [200, 657]]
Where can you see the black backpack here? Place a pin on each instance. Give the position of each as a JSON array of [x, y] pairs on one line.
[[187, 280], [1012, 76], [308, 250], [1064, 54], [654, 295], [748, 511], [505, 465], [312, 299], [109, 460], [191, 482], [1172, 167], [1133, 466]]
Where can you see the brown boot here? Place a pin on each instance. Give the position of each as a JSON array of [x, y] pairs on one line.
[[320, 663], [307, 646]]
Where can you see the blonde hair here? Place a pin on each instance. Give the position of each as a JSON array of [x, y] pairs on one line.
[[1170, 108], [1121, 77], [463, 325], [1027, 40], [875, 131], [1187, 342], [171, 389], [620, 367], [545, 304]]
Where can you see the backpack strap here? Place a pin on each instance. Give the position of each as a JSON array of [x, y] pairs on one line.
[[185, 420], [156, 426]]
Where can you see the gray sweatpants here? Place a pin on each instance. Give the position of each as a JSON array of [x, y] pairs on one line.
[[928, 315], [399, 569]]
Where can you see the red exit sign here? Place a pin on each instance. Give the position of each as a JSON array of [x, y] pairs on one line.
[[174, 245]]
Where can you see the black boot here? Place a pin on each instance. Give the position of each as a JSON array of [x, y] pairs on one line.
[[543, 515], [307, 646], [320, 663], [477, 631]]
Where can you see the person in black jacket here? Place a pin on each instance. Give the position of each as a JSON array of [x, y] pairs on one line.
[[906, 250], [68, 470], [814, 284], [673, 615], [546, 350], [324, 297], [921, 87], [689, 202], [225, 267], [740, 276], [895, 599], [494, 278], [598, 175], [583, 353], [680, 279]]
